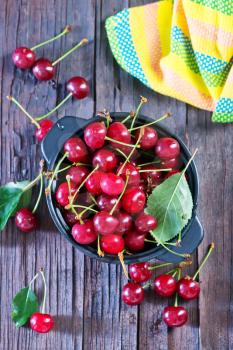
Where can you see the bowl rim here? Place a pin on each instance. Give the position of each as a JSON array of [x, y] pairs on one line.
[[139, 256]]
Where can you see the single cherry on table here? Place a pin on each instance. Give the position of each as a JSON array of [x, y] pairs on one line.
[[132, 294], [25, 220], [175, 316]]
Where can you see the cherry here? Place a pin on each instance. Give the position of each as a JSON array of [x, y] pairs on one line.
[[25, 220], [119, 132], [132, 294], [94, 135], [152, 174], [62, 193], [165, 285], [133, 200], [131, 171], [70, 217], [93, 183], [112, 244], [41, 323], [43, 69], [23, 57], [106, 203], [149, 138], [78, 87], [44, 128], [139, 272], [170, 173], [173, 163], [76, 148], [111, 184], [175, 316], [135, 241], [105, 223], [167, 148], [78, 174], [145, 222], [84, 233], [106, 159], [188, 288], [125, 222]]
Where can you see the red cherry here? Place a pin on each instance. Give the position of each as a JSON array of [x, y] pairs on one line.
[[152, 174], [132, 172], [125, 222], [43, 69], [78, 174], [41, 323], [133, 200], [70, 217], [119, 132], [112, 244], [79, 87], [167, 148], [76, 148], [45, 126], [93, 183], [106, 159], [175, 316], [25, 220], [106, 203], [149, 138], [62, 193], [84, 233], [145, 222], [135, 241], [23, 57], [94, 135], [174, 163], [105, 223], [165, 285], [188, 288], [132, 294], [139, 272], [170, 173], [111, 184]]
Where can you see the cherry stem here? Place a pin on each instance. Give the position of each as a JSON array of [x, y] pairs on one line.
[[119, 142], [45, 291], [165, 116], [85, 210], [146, 285], [122, 153], [154, 170], [64, 169], [55, 108], [121, 195], [81, 43], [81, 185], [99, 251], [84, 207], [34, 278], [127, 118], [47, 190], [93, 198], [211, 248], [131, 153], [143, 100], [121, 258], [159, 266], [154, 162], [66, 30], [176, 297], [32, 183], [184, 255], [33, 121], [179, 237], [40, 194]]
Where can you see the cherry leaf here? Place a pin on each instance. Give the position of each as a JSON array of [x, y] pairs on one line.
[[25, 303], [171, 203]]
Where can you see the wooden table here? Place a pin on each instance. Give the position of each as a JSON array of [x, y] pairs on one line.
[[84, 295]]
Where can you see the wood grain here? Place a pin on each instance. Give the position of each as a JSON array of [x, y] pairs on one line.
[[84, 295]]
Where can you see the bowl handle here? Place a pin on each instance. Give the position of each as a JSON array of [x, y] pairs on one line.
[[60, 132], [189, 243]]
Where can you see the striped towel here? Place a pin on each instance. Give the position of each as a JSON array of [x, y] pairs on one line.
[[180, 48]]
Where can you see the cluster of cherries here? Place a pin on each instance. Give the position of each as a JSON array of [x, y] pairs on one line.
[[44, 69], [164, 285], [105, 191]]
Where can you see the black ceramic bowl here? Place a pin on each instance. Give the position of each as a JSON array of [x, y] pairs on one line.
[[52, 148]]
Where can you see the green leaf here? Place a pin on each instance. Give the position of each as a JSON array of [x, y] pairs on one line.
[[26, 196], [24, 304], [171, 203]]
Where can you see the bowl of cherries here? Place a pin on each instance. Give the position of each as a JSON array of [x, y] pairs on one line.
[[119, 184]]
